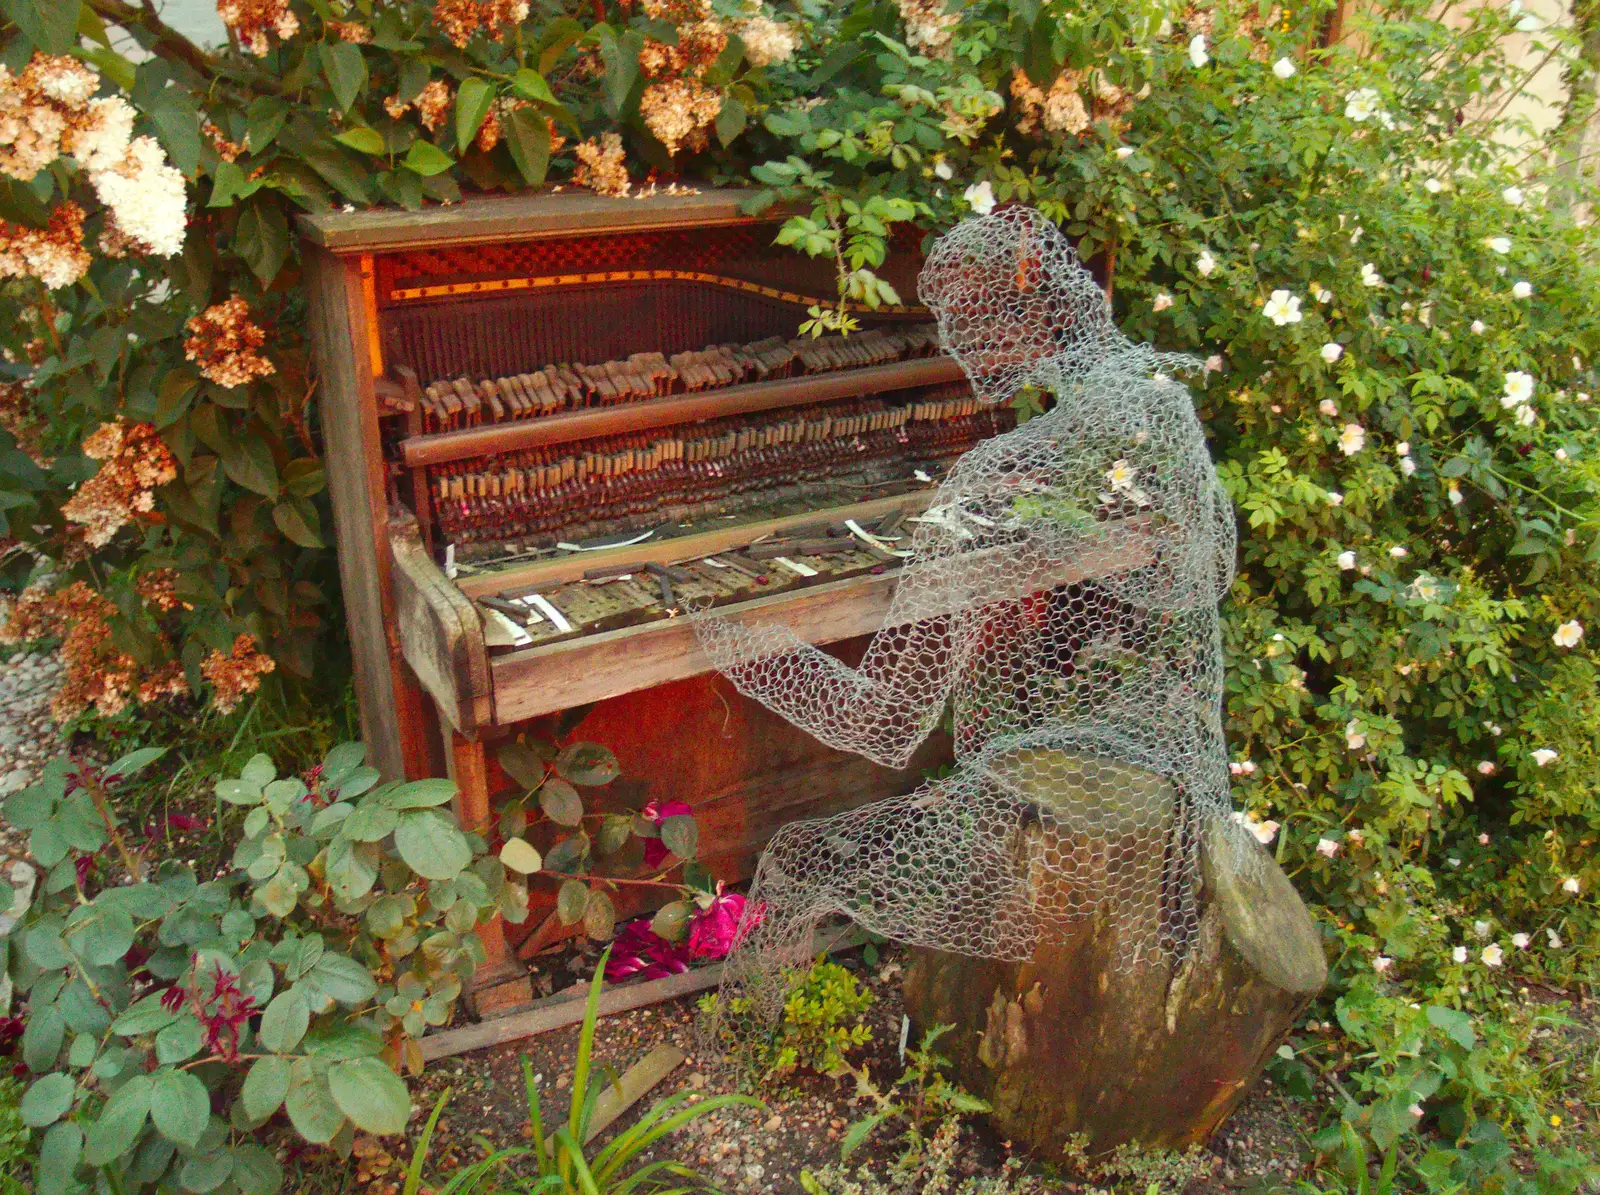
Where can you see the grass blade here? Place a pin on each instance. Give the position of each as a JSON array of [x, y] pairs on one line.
[[577, 1118], [535, 1116], [420, 1154], [574, 1154]]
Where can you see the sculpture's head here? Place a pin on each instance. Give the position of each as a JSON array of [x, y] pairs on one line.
[[1010, 295]]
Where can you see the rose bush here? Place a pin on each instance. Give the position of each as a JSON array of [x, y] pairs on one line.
[[1386, 281]]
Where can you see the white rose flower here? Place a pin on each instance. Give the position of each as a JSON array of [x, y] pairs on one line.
[[1163, 301], [943, 170], [1124, 152], [1522, 290], [1486, 767], [1453, 861], [1361, 105], [1353, 439], [1403, 448], [1398, 552], [1347, 561], [1544, 757], [1197, 51], [1483, 840], [1415, 1110], [1571, 885], [1499, 244], [1335, 498], [1480, 928], [1520, 941], [1282, 308], [1370, 275], [1433, 186], [1328, 407], [981, 197], [1553, 938], [1519, 389], [1492, 955], [1354, 736], [1205, 263], [1332, 351], [1526, 416], [1284, 68], [1568, 634], [1455, 495], [1513, 196], [1561, 454], [1382, 963], [1459, 954], [1478, 327], [1213, 363], [1408, 466], [1265, 832]]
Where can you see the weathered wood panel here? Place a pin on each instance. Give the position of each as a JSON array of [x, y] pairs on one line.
[[440, 633]]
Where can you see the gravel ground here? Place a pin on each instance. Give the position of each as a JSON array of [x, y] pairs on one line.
[[28, 735]]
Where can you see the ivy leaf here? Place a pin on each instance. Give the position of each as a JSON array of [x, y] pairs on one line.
[[345, 69], [427, 159], [681, 836], [520, 856], [431, 846], [561, 802], [572, 901], [285, 1021], [265, 1087], [180, 1106], [310, 1104], [474, 98], [588, 764], [47, 1100], [370, 1094]]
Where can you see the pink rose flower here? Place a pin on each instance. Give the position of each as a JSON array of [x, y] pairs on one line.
[[639, 951], [714, 930]]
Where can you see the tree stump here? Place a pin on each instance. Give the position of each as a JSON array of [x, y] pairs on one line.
[[1160, 1055]]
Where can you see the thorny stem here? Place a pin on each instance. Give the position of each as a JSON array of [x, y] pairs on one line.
[[131, 860]]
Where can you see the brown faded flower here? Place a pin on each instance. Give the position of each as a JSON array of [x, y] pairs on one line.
[[433, 104], [701, 43], [158, 587], [658, 60], [251, 20], [929, 27], [223, 340], [54, 254], [351, 31], [114, 242], [767, 42], [489, 131], [601, 166], [396, 107], [237, 674], [166, 681], [458, 20], [21, 418], [677, 11], [96, 673], [677, 109], [228, 151], [134, 462]]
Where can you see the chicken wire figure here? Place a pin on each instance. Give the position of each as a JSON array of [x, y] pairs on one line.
[[1061, 597]]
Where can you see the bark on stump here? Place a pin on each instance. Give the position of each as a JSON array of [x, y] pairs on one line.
[[1066, 1044]]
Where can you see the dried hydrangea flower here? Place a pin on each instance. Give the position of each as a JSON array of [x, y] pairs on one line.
[[54, 254], [433, 104], [354, 32], [251, 20], [236, 675], [601, 166], [134, 462], [677, 109], [929, 27], [223, 341], [768, 42]]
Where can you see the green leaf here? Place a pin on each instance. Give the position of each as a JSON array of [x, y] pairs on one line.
[[858, 1133], [588, 764], [421, 794], [568, 855], [1456, 1025], [531, 85], [343, 979], [58, 1158], [362, 139], [262, 238], [179, 1041], [249, 463], [731, 121], [121, 1121], [179, 1106], [100, 934], [431, 846], [572, 901], [520, 856], [561, 802], [600, 917], [51, 25], [265, 1087], [672, 921], [133, 761], [345, 69], [370, 1094], [427, 159], [42, 1037], [370, 822], [255, 1171], [285, 1021], [681, 836], [206, 1172], [264, 118], [473, 100], [521, 764], [339, 170], [527, 137], [48, 1100], [171, 110], [342, 1041], [144, 1016], [310, 1104]]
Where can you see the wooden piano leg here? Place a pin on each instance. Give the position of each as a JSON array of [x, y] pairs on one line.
[[501, 983]]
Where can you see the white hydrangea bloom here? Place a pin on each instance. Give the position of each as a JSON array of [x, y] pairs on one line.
[[145, 194]]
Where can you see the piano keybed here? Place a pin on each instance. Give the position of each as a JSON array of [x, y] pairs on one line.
[[538, 497], [447, 404]]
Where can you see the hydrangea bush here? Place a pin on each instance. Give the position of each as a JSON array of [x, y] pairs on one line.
[[1386, 283]]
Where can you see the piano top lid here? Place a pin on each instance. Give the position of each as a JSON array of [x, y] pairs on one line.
[[499, 218]]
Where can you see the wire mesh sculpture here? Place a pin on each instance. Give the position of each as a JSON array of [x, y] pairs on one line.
[[1061, 598]]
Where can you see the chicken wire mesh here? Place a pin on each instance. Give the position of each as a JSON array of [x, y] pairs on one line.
[[1060, 599]]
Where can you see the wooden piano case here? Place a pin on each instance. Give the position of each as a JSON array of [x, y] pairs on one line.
[[491, 288]]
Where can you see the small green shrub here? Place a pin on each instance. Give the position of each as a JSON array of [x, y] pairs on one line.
[[14, 1137], [921, 1097], [558, 1161], [821, 1022], [171, 1015]]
